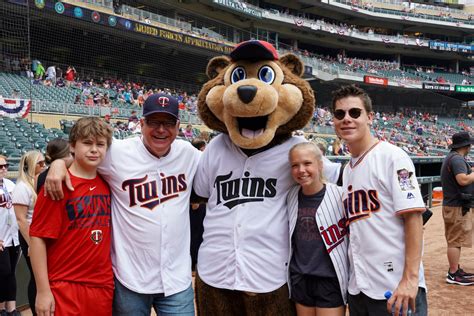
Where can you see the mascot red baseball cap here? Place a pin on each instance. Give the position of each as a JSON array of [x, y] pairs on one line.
[[254, 50], [161, 103]]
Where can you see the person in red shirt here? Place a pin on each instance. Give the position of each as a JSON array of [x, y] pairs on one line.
[[70, 238], [70, 75]]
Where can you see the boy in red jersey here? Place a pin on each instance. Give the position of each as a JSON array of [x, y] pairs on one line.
[[70, 238]]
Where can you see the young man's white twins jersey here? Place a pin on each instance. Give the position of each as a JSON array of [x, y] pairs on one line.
[[379, 186]]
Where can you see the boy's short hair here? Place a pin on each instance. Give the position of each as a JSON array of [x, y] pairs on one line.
[[352, 91], [90, 127]]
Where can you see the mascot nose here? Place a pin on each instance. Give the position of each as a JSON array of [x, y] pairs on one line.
[[247, 93]]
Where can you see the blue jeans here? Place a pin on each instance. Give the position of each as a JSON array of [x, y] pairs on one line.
[[127, 302]]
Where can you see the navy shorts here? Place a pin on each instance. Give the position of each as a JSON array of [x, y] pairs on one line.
[[312, 291]]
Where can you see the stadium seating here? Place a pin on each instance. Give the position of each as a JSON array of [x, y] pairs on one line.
[[52, 99], [17, 136]]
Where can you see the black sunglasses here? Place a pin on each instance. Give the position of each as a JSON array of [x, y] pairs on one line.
[[5, 166], [341, 114]]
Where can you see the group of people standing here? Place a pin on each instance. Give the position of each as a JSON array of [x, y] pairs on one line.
[[322, 245]]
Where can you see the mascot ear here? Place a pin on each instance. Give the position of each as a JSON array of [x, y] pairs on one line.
[[216, 65], [293, 63]]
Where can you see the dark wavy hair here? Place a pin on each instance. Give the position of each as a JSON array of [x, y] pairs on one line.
[[57, 148], [352, 91]]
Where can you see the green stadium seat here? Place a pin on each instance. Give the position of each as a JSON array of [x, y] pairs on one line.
[[15, 155], [13, 167]]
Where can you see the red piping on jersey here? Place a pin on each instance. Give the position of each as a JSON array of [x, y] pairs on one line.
[[410, 210], [363, 155]]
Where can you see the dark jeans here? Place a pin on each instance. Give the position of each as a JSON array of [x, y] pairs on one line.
[[362, 305], [8, 261], [32, 283]]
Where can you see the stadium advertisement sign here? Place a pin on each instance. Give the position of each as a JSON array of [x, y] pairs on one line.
[[451, 47], [119, 22], [376, 80], [180, 37], [239, 6], [436, 86], [464, 89]]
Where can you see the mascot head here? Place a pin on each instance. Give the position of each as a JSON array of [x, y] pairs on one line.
[[255, 96]]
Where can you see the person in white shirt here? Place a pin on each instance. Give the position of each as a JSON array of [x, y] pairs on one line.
[[150, 180], [383, 213], [51, 74], [9, 243], [24, 198]]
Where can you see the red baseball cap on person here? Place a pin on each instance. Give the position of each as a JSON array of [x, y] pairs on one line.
[[161, 103], [254, 50]]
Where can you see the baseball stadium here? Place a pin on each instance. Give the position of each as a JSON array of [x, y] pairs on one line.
[[63, 60]]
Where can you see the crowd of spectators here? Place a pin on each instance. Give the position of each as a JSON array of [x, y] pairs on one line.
[[418, 133], [409, 129], [102, 92]]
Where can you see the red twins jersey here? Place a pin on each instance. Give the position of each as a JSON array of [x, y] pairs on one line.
[[77, 232], [150, 215], [378, 187]]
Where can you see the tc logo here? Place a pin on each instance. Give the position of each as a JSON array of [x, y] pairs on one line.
[[96, 236], [163, 101]]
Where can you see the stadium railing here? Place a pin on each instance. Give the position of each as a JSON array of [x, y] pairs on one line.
[[152, 18], [406, 81], [48, 107], [319, 25], [423, 17]]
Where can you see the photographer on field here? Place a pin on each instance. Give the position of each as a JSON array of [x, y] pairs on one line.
[[457, 179]]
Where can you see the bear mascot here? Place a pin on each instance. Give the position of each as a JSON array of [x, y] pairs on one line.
[[256, 99]]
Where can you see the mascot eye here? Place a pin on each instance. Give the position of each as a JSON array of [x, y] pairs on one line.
[[266, 74], [238, 74]]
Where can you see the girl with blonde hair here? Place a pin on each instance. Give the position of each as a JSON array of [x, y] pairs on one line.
[[318, 267], [24, 199]]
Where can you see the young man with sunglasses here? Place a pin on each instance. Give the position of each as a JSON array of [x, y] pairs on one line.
[[150, 180], [383, 206]]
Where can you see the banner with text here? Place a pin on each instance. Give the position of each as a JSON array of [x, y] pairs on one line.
[[119, 22], [376, 80], [436, 86], [464, 89], [451, 47]]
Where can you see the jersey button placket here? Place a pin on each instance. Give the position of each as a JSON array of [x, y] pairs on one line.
[[238, 227]]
